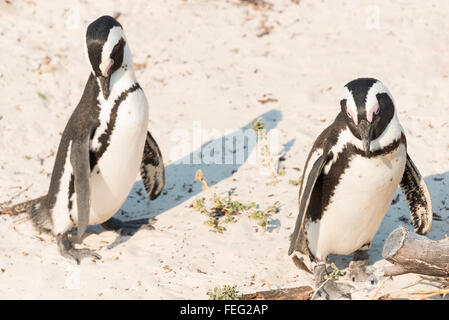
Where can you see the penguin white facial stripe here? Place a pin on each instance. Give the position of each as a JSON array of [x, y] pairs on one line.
[[115, 34], [370, 100], [377, 88]]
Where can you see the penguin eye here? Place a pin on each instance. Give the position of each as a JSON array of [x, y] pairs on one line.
[[118, 49]]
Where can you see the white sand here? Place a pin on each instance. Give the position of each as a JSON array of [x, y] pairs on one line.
[[203, 61]]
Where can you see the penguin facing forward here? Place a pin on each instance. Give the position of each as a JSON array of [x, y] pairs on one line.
[[103, 146], [349, 180]]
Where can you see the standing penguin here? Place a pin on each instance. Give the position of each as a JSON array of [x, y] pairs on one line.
[[104, 145], [349, 181]]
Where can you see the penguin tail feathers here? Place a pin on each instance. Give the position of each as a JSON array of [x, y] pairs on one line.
[[19, 208]]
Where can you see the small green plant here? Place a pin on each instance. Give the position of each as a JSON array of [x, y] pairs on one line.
[[262, 139], [225, 293], [258, 126], [261, 216], [335, 274], [281, 170], [41, 95], [225, 209], [215, 224], [268, 160]]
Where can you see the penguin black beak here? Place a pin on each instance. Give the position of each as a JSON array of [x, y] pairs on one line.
[[366, 133], [104, 83]]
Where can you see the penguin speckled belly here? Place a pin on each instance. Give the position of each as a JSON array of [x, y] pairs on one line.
[[103, 147], [349, 181]]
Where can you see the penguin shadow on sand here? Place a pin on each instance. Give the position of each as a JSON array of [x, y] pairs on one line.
[[179, 175], [399, 215]]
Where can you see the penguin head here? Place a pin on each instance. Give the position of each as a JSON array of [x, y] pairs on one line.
[[368, 108], [105, 44]]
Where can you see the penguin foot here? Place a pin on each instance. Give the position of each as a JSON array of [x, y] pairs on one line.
[[69, 251], [128, 227], [331, 290]]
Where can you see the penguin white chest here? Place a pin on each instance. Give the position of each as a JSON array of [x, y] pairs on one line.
[[361, 199], [118, 167]]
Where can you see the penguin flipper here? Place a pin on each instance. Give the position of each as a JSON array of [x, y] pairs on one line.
[[418, 198], [297, 241], [79, 158], [152, 168]]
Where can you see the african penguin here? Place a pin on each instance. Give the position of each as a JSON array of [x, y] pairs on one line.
[[350, 178], [103, 146]]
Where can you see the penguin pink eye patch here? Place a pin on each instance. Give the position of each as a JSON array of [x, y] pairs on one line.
[[374, 110], [106, 71]]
